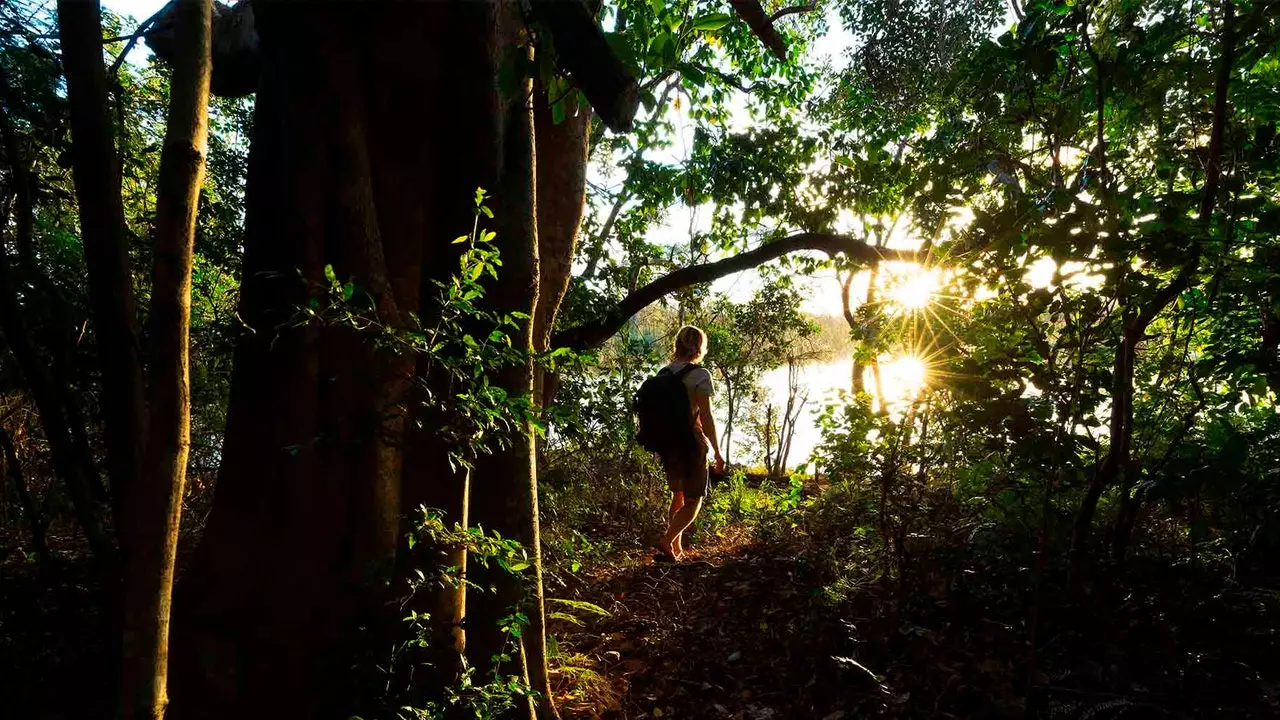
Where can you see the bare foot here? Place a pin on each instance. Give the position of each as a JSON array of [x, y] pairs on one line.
[[666, 550]]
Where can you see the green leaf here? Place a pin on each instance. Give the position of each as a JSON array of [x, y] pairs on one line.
[[460, 239], [329, 274], [693, 74], [712, 22], [487, 212], [657, 46]]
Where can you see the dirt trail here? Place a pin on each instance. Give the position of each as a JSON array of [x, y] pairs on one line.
[[728, 633]]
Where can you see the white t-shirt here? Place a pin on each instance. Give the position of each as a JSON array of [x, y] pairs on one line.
[[696, 380]]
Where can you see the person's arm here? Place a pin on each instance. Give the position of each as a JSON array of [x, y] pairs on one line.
[[703, 404]]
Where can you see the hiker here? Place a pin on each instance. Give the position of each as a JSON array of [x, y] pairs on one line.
[[680, 428]]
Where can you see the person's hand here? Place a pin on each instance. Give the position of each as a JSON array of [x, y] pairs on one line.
[[719, 463]]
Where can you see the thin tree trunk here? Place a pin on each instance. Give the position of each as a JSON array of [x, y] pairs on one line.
[[96, 171], [155, 507], [731, 410], [36, 521], [846, 306], [1117, 463], [51, 405]]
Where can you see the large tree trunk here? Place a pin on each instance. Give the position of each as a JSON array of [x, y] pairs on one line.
[[96, 171], [155, 506], [306, 515], [354, 164]]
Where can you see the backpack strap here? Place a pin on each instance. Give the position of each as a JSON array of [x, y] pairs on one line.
[[681, 372], [687, 369]]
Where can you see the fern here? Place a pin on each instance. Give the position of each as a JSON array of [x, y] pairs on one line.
[[581, 606]]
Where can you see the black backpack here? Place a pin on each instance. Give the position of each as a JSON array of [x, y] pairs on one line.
[[662, 406]]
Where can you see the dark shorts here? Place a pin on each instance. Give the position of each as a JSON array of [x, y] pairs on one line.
[[687, 472]]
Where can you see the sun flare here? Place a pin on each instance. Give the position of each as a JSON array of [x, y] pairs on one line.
[[912, 288], [902, 378]]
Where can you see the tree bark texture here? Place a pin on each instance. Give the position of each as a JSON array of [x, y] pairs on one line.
[[355, 163], [155, 506], [96, 171]]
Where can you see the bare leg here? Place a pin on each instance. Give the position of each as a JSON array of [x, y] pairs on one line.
[[681, 520], [666, 545]]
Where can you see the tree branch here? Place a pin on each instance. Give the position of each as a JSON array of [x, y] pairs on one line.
[[793, 10], [1213, 172], [760, 24], [591, 335], [133, 40]]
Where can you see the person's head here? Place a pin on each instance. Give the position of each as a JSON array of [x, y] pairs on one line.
[[690, 345]]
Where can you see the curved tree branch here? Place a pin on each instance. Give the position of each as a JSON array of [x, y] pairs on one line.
[[142, 30], [591, 335], [793, 10]]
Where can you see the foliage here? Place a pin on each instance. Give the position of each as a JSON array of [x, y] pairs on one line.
[[466, 343], [475, 694]]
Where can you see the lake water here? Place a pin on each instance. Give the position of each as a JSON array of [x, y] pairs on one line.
[[823, 382]]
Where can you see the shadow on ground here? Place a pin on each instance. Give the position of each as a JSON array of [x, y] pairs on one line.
[[740, 632]]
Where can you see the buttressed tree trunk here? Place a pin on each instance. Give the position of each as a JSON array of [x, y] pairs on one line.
[[374, 126], [155, 504]]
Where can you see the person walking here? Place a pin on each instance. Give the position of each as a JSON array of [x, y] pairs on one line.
[[683, 436]]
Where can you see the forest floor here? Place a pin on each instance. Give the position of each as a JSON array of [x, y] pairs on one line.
[[739, 631], [747, 630]]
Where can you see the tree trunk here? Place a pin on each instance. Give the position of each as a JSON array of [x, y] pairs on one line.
[[96, 171], [560, 151], [155, 507], [36, 521], [350, 168], [857, 384], [731, 410], [305, 522]]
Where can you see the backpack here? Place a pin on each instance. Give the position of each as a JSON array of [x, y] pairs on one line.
[[662, 406]]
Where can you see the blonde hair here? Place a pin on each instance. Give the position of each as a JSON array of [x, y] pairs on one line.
[[690, 345]]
